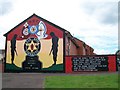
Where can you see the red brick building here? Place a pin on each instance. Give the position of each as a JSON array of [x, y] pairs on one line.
[[74, 46]]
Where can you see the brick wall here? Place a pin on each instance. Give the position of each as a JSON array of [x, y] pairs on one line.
[[70, 47]]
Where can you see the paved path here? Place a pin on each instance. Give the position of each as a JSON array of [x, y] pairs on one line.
[[17, 80], [34, 80]]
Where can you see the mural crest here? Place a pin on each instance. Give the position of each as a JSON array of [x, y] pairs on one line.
[[38, 30]]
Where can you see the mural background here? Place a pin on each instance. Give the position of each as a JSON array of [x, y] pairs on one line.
[[46, 44]]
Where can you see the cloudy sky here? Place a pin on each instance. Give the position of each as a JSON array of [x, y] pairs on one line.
[[93, 21]]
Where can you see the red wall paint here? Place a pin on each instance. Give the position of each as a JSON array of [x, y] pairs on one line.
[[112, 63], [68, 64], [34, 21]]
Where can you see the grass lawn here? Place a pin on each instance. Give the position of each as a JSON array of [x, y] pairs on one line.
[[82, 81]]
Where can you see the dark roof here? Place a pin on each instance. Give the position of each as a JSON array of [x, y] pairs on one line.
[[38, 17], [83, 42], [78, 40], [118, 52]]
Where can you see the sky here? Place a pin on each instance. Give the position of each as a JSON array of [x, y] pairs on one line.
[[93, 21]]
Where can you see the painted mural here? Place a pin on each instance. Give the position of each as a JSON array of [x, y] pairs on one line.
[[35, 45]]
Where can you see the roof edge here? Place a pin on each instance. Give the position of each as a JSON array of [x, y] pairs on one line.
[[38, 17], [19, 24]]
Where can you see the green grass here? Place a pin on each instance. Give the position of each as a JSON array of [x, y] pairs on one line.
[[91, 81]]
